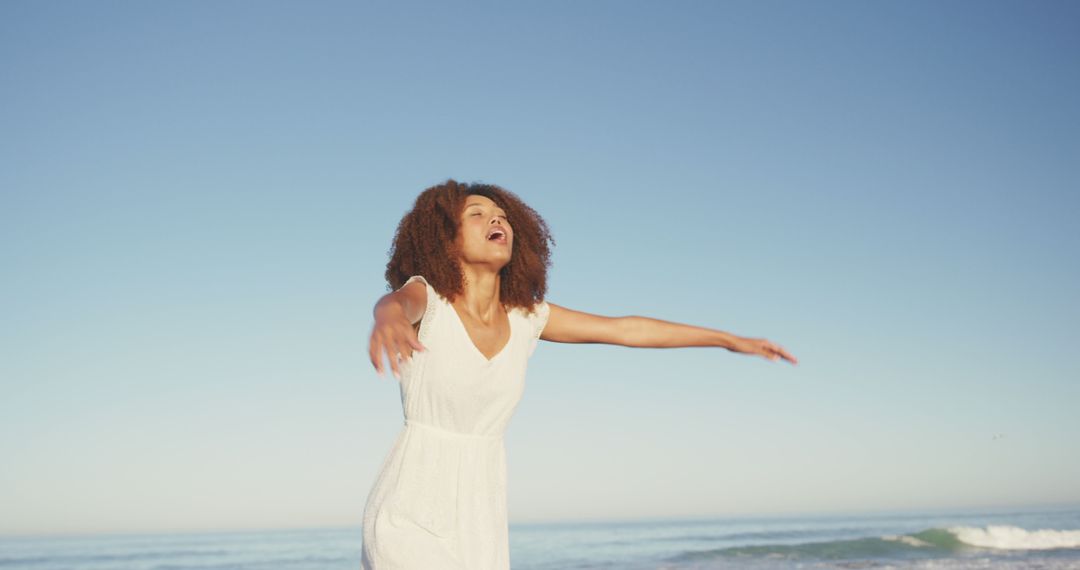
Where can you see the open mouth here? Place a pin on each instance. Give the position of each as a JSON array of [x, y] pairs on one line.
[[497, 236]]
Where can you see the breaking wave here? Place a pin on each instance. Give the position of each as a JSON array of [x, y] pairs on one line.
[[930, 542]]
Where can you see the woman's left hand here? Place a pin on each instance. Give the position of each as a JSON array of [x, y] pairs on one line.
[[763, 347]]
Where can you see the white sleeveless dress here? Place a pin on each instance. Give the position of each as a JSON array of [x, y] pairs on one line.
[[439, 500]]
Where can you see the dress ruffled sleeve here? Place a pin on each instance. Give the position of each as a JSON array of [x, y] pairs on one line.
[[429, 309], [538, 319]]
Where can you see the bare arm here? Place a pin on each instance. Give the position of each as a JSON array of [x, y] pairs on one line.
[[568, 325], [395, 313]]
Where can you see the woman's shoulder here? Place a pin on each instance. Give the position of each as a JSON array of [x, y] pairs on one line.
[[533, 315], [422, 297]]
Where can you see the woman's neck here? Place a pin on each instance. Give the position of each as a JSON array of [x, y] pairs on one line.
[[481, 296]]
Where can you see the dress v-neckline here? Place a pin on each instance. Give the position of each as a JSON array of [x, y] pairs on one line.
[[465, 330]]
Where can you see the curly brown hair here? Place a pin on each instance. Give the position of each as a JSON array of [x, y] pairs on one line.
[[424, 244]]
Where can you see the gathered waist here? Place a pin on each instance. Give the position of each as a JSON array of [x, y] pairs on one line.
[[410, 423]]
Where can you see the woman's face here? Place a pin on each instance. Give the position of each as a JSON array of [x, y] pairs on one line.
[[484, 235]]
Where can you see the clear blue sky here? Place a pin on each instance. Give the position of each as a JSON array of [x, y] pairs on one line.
[[197, 200]]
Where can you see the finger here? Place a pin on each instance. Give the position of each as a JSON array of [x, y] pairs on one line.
[[375, 363], [394, 365], [402, 351], [386, 350], [375, 353], [409, 338], [394, 360], [408, 345], [787, 355]]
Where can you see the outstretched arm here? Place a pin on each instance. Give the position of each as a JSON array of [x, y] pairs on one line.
[[395, 313], [568, 325]]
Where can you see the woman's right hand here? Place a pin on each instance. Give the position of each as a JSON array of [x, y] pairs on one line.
[[394, 335], [763, 347]]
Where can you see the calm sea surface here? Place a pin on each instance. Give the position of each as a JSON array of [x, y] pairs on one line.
[[1045, 539]]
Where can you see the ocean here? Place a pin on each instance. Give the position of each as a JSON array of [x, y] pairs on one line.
[[1004, 539]]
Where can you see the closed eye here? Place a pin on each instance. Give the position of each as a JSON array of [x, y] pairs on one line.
[[481, 213]]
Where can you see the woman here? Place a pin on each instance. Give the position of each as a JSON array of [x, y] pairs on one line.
[[468, 271]]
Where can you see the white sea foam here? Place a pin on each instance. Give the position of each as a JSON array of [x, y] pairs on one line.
[[1015, 538], [908, 540]]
